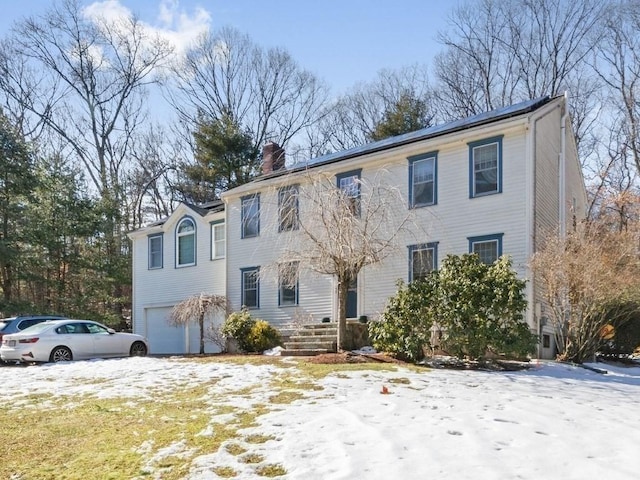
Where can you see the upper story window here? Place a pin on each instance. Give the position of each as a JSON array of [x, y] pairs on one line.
[[487, 247], [250, 216], [422, 180], [349, 184], [155, 251], [250, 287], [288, 208], [218, 240], [485, 167], [423, 259], [186, 243], [288, 284]]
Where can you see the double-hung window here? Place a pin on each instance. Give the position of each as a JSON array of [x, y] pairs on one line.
[[422, 180], [288, 284], [288, 208], [155, 251], [485, 167], [186, 243], [218, 240], [250, 216], [349, 184], [487, 247], [423, 259], [250, 287]]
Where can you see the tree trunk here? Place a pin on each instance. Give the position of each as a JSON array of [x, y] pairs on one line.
[[343, 290], [201, 325]]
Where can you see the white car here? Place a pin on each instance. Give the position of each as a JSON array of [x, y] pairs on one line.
[[64, 340]]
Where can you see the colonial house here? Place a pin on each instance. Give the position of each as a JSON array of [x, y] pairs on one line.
[[493, 184]]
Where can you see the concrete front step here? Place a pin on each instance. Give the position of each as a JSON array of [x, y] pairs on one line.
[[312, 338], [331, 346], [309, 352]]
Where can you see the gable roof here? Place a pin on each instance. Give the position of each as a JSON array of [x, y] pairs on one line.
[[202, 210], [423, 134]]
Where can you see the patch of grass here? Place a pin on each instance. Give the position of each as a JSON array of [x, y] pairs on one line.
[[321, 370], [225, 472], [400, 380], [257, 438], [271, 470], [235, 449], [285, 397], [105, 435], [252, 458]]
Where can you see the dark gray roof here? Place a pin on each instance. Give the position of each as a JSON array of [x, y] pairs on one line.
[[202, 210], [423, 134]]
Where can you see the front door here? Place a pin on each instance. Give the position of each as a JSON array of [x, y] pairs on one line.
[[352, 300]]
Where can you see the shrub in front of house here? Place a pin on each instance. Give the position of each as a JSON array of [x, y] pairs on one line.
[[252, 335], [262, 337], [478, 308], [404, 327], [481, 308]]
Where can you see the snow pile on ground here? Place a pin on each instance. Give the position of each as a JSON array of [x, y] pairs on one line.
[[554, 421]]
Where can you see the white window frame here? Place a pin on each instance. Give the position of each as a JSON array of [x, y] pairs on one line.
[[414, 162], [159, 253], [218, 245]]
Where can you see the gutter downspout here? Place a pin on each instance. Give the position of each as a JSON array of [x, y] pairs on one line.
[[530, 199], [562, 194]]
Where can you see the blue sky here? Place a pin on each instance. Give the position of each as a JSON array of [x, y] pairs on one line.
[[343, 42]]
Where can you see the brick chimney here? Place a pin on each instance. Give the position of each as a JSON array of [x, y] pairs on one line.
[[272, 158]]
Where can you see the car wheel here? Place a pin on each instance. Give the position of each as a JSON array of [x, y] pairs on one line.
[[138, 349], [60, 354]]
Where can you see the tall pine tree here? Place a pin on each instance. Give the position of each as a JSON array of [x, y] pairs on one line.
[[17, 182], [224, 158]]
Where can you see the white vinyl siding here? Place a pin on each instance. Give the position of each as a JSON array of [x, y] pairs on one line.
[[163, 288]]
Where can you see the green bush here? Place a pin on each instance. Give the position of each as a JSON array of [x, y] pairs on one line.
[[262, 337], [405, 325], [481, 308], [238, 326], [252, 335]]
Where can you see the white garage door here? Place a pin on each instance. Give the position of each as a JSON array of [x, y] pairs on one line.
[[163, 337]]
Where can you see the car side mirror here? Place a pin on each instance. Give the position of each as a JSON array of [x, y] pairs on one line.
[[111, 331]]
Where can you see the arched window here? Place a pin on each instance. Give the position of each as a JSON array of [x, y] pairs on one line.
[[186, 243]]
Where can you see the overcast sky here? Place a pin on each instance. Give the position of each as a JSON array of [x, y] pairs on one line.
[[342, 41]]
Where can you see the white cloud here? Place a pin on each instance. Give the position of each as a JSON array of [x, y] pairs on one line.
[[177, 26]]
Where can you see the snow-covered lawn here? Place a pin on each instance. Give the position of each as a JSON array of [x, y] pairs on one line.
[[550, 422]]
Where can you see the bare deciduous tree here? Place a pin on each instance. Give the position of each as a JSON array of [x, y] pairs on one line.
[[265, 91], [344, 230], [499, 52], [586, 278], [619, 69], [353, 119], [196, 309]]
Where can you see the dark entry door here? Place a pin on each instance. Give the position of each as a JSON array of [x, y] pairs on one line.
[[352, 300]]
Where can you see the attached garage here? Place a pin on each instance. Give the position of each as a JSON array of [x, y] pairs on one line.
[[167, 339], [163, 337]]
